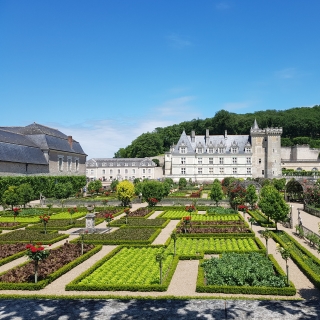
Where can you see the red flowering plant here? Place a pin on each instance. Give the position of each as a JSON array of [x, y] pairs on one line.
[[109, 217], [105, 202], [44, 219], [16, 211], [127, 212], [242, 207], [36, 253], [191, 208], [152, 202], [72, 211], [107, 194], [186, 222]]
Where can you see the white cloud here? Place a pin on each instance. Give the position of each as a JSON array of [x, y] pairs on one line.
[[178, 42], [102, 138], [287, 73]]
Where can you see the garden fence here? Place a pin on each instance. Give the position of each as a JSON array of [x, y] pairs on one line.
[[308, 231], [312, 211]]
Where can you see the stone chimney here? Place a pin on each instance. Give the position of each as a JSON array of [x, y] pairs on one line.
[[225, 134], [207, 135], [70, 141], [193, 135]]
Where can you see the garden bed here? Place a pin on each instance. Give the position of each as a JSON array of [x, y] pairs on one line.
[[306, 261], [58, 262], [30, 236], [218, 229], [254, 274], [196, 247], [141, 212], [179, 214], [129, 269], [9, 252], [12, 225], [140, 222], [124, 235]]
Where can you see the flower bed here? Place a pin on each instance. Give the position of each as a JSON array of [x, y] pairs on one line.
[[219, 223], [140, 222], [141, 212], [66, 215], [124, 235], [58, 262], [9, 252], [253, 274], [131, 269], [306, 261], [27, 236], [195, 247], [12, 225], [114, 211], [26, 219]]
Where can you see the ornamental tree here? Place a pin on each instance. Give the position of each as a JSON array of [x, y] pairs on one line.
[[125, 192], [272, 204], [72, 211], [95, 186], [152, 190], [25, 193], [11, 197], [44, 219], [251, 195], [36, 253], [113, 185], [182, 183], [216, 193]]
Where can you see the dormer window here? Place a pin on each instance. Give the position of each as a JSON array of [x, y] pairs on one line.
[[220, 150], [133, 164], [247, 150], [183, 150], [126, 164], [118, 164], [210, 150], [199, 150], [111, 164], [234, 150]]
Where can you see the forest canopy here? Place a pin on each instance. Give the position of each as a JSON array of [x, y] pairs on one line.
[[300, 126]]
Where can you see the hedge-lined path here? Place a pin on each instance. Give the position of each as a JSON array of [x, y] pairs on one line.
[[165, 232], [305, 289]]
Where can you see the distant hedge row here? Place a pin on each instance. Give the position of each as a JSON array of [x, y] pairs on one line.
[[43, 184]]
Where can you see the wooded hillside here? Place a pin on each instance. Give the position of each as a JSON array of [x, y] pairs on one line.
[[300, 126]]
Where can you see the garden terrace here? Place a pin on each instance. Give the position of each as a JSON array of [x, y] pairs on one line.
[[195, 247], [306, 261], [63, 224], [58, 262], [9, 252], [140, 222], [255, 274], [114, 211], [124, 235], [127, 268], [30, 236]]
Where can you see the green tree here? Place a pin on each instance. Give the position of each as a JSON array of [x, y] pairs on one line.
[[63, 190], [11, 197], [182, 183], [113, 185], [279, 184], [25, 193], [157, 162], [216, 193], [146, 145], [251, 195], [125, 192], [152, 190], [95, 186], [272, 204]]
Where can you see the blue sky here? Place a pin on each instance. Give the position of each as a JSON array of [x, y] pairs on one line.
[[107, 71]]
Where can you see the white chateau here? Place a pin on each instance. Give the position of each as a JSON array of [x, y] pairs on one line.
[[205, 158]]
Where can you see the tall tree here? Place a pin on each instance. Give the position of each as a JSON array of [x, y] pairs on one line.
[[251, 195], [25, 193], [152, 190], [125, 192], [11, 197], [272, 204], [216, 193]]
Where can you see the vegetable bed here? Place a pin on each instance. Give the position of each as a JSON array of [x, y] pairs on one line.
[[178, 214], [132, 269], [140, 222]]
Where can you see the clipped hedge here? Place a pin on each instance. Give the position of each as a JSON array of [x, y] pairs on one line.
[[12, 257], [300, 260], [18, 226], [286, 291], [261, 219], [140, 222], [41, 284], [124, 236], [75, 286]]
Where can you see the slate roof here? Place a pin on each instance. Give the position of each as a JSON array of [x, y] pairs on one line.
[[26, 144], [241, 141], [113, 162]]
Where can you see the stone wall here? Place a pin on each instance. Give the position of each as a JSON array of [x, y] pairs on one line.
[[15, 168]]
